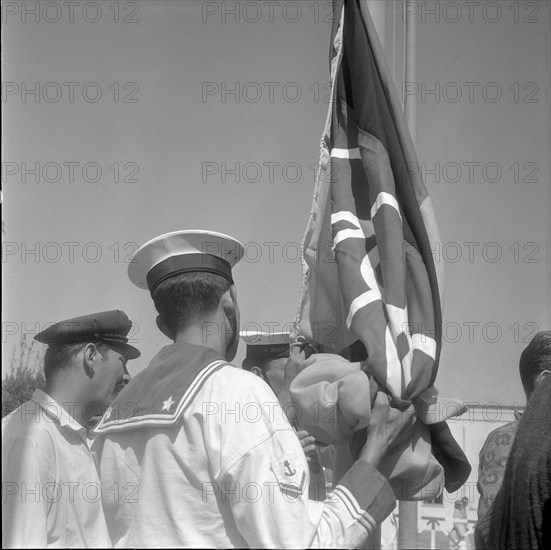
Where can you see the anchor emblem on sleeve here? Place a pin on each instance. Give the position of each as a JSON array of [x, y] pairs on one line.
[[288, 471]]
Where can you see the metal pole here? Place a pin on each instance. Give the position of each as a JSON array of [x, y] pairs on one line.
[[410, 73], [407, 525], [377, 10], [407, 521]]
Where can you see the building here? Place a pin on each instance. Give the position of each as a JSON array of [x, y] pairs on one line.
[[435, 517]]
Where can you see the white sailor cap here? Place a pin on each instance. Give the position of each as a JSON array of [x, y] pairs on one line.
[[262, 346], [183, 252]]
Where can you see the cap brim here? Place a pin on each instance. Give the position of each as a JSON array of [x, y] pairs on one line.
[[178, 243], [130, 352]]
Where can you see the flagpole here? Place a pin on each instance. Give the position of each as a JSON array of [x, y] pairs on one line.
[[407, 523], [410, 73], [378, 11], [407, 510]]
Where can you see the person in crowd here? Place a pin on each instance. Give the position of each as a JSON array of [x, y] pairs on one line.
[[534, 367], [520, 516], [50, 484], [268, 357], [458, 533], [216, 460]]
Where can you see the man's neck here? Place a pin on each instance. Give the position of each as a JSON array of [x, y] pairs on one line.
[[69, 400], [208, 333]]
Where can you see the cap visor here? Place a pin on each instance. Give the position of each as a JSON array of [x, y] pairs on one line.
[[129, 351]]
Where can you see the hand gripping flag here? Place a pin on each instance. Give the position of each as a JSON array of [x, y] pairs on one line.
[[368, 270]]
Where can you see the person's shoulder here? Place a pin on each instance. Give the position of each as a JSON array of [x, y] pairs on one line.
[[497, 435], [28, 425], [230, 384], [510, 427], [27, 416], [240, 400], [240, 381]]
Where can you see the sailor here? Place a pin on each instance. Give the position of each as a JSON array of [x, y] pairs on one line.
[[216, 461], [51, 489], [267, 357]]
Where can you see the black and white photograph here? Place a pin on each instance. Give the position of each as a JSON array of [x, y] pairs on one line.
[[276, 274]]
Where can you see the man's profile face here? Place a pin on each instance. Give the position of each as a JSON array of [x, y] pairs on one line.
[[275, 373], [110, 378]]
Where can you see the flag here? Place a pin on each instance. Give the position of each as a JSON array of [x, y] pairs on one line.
[[368, 270]]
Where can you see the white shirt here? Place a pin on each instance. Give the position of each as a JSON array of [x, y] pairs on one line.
[[50, 486], [229, 472]]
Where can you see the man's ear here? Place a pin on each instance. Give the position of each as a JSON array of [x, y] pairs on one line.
[[229, 305], [258, 372], [161, 325], [90, 357], [541, 377], [228, 301], [233, 293]]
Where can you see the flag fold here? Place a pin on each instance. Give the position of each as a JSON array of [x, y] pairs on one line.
[[370, 282]]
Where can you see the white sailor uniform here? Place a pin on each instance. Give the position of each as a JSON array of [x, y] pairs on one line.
[[203, 455]]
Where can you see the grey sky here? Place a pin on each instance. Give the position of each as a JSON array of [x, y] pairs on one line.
[[168, 118]]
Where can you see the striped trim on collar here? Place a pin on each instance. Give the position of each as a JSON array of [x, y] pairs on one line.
[[107, 424]]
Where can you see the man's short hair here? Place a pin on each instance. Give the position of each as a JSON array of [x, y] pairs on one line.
[[182, 297], [57, 357], [535, 359]]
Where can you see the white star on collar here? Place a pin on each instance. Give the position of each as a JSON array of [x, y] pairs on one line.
[[167, 404]]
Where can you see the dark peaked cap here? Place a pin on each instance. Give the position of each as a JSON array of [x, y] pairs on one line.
[[111, 327], [262, 346]]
